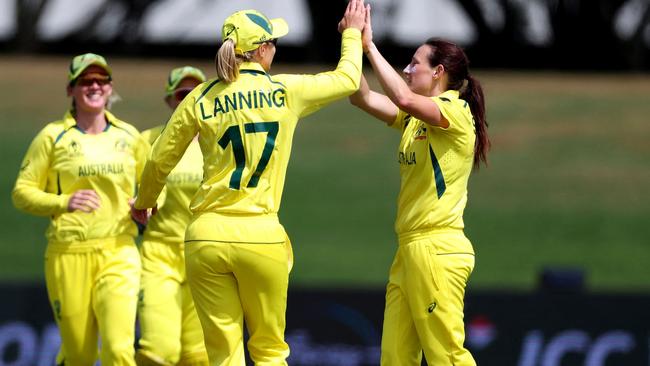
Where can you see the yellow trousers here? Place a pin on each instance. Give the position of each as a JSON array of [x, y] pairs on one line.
[[425, 300], [231, 282], [93, 288], [170, 328]]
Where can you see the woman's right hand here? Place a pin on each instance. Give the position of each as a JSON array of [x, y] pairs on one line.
[[86, 200], [143, 215], [354, 17]]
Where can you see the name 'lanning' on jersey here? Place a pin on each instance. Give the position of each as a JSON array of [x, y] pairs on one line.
[[245, 169], [245, 132]]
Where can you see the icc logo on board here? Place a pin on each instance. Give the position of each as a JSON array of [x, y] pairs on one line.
[[539, 349]]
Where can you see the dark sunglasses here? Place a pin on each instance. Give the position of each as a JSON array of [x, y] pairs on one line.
[[180, 94], [101, 81]]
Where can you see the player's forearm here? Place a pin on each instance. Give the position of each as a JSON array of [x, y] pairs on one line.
[[151, 184], [315, 91], [375, 104], [350, 64], [166, 152], [391, 82], [39, 203], [360, 97]]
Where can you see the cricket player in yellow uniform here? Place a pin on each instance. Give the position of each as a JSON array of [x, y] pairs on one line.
[[170, 329], [440, 113], [237, 253], [81, 171]]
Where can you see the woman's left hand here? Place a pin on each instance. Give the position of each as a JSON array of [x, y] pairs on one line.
[[354, 16]]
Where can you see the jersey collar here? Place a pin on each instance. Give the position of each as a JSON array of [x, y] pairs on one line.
[[253, 67], [450, 94], [69, 121]]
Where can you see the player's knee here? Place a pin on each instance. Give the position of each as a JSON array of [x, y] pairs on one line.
[[162, 348], [144, 358], [194, 359], [118, 353]]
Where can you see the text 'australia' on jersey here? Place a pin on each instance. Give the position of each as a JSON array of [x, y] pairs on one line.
[[64, 159], [435, 164]]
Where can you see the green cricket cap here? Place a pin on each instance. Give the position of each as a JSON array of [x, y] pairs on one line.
[[178, 74], [250, 28], [81, 62]]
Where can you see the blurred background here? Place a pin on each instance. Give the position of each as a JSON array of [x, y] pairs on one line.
[[559, 219]]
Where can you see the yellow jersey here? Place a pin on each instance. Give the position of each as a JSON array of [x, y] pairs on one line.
[[435, 164], [169, 223], [245, 132], [63, 159]]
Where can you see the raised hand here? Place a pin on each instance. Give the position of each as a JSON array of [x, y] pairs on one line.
[[86, 200], [354, 17], [366, 34]]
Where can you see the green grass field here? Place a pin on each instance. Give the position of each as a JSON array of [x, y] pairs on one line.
[[566, 186]]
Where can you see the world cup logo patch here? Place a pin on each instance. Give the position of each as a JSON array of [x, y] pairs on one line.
[[121, 145], [420, 133], [74, 149]]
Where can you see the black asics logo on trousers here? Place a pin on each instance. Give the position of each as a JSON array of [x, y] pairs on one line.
[[431, 307]]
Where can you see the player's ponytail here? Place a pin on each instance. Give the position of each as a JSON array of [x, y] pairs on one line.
[[228, 61], [473, 94], [456, 64]]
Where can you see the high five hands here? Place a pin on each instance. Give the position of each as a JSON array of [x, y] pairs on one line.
[[355, 16], [351, 18]]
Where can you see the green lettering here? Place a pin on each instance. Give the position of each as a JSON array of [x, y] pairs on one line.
[[263, 97], [230, 102], [217, 107], [203, 116], [244, 99], [279, 100]]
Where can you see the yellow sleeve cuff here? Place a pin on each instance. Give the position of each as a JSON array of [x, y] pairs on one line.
[[62, 206]]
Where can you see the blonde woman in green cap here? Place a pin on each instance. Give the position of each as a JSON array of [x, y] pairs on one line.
[[81, 171], [170, 329], [237, 254]]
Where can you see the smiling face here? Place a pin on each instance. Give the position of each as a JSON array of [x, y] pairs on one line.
[[420, 76], [91, 90]]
